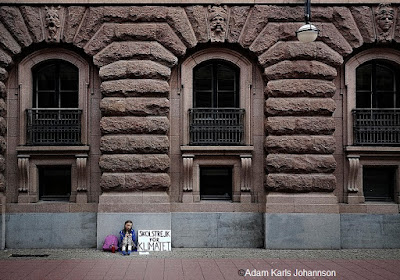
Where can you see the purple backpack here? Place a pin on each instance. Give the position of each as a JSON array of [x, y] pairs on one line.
[[109, 241]]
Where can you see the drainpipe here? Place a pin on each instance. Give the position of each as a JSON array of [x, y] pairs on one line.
[[3, 221]]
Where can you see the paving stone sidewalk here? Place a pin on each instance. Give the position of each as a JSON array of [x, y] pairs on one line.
[[193, 264]]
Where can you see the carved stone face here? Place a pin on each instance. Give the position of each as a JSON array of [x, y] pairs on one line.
[[385, 21], [384, 17], [52, 18], [217, 23]]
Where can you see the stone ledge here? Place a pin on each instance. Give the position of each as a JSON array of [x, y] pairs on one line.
[[370, 208], [301, 203], [51, 207], [134, 208], [210, 206], [372, 151], [211, 2], [134, 198], [217, 150], [52, 149], [302, 208]]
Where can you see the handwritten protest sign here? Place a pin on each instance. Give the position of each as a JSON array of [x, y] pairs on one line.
[[154, 240]]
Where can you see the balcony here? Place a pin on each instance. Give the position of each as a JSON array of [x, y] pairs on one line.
[[376, 127], [53, 126], [216, 126]]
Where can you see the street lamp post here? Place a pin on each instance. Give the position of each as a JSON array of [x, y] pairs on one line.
[[308, 32]]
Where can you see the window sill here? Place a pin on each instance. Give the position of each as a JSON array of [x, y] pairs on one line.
[[213, 201], [217, 150], [371, 150], [43, 150]]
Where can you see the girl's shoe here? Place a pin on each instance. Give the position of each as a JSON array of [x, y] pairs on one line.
[[124, 253], [129, 252]]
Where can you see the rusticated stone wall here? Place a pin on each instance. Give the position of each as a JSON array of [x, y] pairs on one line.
[[3, 126], [135, 48]]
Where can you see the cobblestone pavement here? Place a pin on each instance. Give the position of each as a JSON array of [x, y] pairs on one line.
[[193, 264]]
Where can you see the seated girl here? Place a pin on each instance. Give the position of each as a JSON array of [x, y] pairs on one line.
[[127, 238]]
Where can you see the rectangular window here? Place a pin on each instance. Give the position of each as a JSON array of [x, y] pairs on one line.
[[379, 183], [54, 182], [216, 183]]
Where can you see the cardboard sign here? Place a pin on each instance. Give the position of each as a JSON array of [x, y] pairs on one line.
[[154, 240]]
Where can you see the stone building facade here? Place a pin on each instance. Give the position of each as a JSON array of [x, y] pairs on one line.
[[211, 120]]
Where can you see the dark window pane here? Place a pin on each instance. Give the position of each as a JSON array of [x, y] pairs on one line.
[[215, 85], [397, 97], [46, 77], [203, 78], [363, 100], [385, 100], [363, 77], [226, 85], [46, 100], [379, 183], [225, 78], [54, 182], [52, 80], [216, 183], [203, 84], [203, 99], [376, 85], [226, 99], [204, 72], [225, 72], [68, 77], [384, 78], [69, 99]]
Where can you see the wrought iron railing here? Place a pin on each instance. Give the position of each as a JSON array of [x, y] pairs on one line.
[[53, 126], [376, 127], [216, 126]]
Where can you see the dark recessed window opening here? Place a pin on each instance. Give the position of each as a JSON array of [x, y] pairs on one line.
[[55, 117], [216, 183], [216, 118], [379, 183], [55, 85], [216, 85], [376, 116], [376, 85], [54, 182]]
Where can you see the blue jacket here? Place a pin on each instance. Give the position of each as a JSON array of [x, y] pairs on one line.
[[122, 235]]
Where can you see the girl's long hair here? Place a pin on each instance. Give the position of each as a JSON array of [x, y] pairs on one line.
[[128, 221]]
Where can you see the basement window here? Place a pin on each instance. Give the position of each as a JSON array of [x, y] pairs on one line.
[[54, 183], [378, 183], [216, 183]]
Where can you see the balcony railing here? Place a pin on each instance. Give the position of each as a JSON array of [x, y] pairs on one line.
[[216, 126], [53, 126], [376, 127]]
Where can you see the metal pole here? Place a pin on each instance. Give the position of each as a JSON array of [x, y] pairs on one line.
[[307, 11]]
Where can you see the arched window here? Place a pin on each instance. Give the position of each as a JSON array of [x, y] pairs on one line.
[[55, 85], [55, 117], [55, 108], [371, 116], [216, 85], [376, 85], [375, 120], [216, 118]]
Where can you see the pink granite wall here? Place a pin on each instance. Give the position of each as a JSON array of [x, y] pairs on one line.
[[135, 48]]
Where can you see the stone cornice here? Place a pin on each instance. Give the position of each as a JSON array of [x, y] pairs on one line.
[[191, 2]]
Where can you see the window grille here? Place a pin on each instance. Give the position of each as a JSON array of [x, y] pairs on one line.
[[379, 127], [53, 126], [216, 126]]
